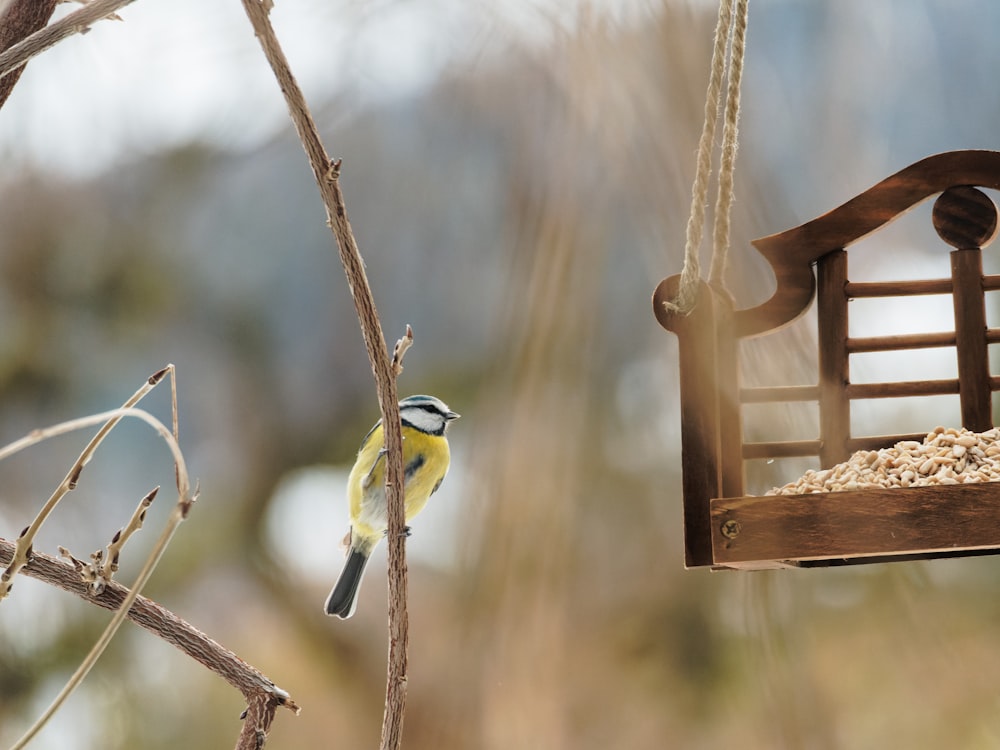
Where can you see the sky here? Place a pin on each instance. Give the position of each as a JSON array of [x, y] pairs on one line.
[[172, 72]]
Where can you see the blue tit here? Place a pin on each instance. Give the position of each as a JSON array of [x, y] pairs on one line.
[[425, 459]]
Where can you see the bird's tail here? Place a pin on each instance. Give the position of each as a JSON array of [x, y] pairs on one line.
[[344, 598]]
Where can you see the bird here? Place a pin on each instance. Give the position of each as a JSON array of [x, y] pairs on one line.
[[426, 456]]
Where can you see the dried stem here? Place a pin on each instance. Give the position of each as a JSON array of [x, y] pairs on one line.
[[27, 537], [254, 686], [327, 174], [76, 22]]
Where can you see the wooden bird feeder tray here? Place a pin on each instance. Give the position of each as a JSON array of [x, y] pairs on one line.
[[725, 528]]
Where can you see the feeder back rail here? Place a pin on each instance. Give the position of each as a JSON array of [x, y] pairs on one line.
[[725, 528]]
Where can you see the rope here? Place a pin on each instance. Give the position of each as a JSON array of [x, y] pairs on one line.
[[730, 128], [691, 272]]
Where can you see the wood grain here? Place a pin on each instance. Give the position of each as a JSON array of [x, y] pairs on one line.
[[869, 523]]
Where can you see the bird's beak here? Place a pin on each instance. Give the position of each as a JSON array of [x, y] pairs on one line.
[[452, 415]]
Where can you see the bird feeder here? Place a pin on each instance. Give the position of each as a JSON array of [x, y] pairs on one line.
[[725, 528]]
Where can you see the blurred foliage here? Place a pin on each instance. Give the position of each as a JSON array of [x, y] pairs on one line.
[[518, 215]]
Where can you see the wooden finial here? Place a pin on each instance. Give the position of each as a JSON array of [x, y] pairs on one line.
[[965, 217]]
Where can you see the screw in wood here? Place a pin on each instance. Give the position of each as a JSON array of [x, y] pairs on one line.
[[731, 529]]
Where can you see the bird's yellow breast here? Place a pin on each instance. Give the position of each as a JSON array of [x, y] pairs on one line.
[[425, 461]]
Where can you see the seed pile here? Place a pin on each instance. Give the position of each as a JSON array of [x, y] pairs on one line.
[[946, 456]]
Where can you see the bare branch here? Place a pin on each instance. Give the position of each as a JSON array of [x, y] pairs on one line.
[[146, 613], [327, 174], [257, 719], [76, 22], [18, 19]]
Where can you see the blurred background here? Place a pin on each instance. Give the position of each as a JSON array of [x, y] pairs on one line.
[[518, 177]]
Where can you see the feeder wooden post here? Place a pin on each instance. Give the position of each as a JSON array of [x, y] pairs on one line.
[[966, 219], [834, 364], [701, 423]]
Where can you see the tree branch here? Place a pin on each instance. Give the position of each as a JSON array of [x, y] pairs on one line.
[[262, 695], [76, 22], [327, 174], [19, 19]]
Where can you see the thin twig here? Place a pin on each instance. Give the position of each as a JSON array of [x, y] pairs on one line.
[[27, 536], [109, 564], [327, 174]]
